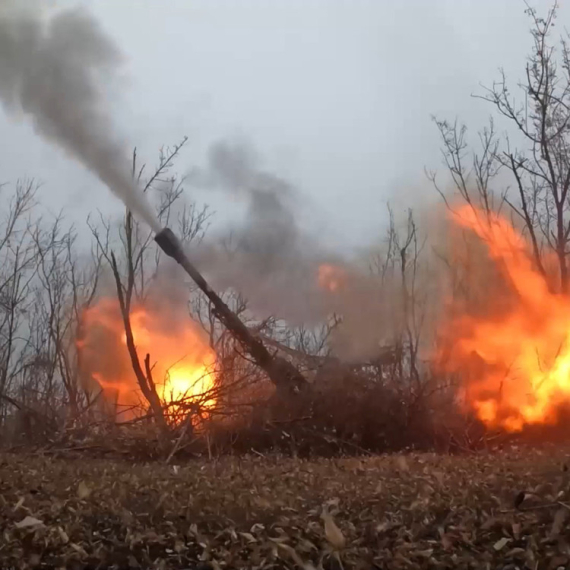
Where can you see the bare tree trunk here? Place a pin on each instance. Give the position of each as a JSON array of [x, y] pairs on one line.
[[145, 382]]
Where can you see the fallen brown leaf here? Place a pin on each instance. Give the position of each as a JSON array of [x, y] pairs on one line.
[[29, 522], [83, 491], [333, 534]]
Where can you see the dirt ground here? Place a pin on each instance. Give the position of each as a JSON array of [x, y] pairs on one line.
[[502, 510]]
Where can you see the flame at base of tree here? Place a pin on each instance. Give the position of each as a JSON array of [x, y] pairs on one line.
[[513, 352], [181, 359]]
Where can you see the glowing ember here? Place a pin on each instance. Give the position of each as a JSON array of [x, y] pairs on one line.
[[180, 357], [330, 277], [515, 358]]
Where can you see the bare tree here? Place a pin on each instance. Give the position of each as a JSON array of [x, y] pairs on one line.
[[403, 270], [535, 152], [17, 270], [65, 288]]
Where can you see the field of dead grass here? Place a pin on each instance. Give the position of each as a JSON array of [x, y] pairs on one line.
[[402, 511]]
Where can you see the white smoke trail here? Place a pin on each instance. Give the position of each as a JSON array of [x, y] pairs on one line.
[[53, 70]]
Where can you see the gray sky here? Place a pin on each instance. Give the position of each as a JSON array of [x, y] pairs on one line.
[[335, 94]]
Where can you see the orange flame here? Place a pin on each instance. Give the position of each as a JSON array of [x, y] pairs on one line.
[[514, 359], [331, 277], [180, 356]]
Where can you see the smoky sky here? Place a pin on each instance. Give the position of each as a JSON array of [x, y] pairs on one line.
[[344, 90], [269, 232], [54, 69], [337, 94], [275, 265], [266, 256]]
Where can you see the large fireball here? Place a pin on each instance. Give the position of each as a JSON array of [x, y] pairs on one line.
[[181, 359], [514, 359]]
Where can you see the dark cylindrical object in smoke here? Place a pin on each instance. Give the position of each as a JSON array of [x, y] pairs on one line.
[[280, 371]]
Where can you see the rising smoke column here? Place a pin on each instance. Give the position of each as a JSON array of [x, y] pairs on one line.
[[270, 259], [276, 265], [53, 69]]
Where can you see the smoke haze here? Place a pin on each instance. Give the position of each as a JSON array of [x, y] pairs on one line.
[[275, 264], [267, 258], [52, 69]]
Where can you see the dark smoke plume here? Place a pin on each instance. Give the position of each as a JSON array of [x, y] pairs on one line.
[[269, 259], [53, 69], [276, 265]]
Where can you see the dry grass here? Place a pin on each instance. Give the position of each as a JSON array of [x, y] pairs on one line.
[[414, 511]]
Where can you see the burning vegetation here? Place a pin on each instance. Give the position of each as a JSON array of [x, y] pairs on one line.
[[270, 343], [182, 362], [512, 354]]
